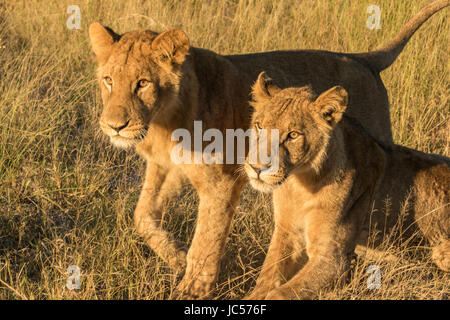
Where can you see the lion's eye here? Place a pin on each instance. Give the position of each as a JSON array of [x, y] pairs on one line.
[[108, 82], [143, 83], [294, 135]]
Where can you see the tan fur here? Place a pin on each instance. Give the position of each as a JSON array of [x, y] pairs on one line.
[[331, 187], [184, 84]]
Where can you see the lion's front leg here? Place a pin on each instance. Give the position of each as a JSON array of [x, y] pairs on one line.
[[160, 186], [318, 273], [284, 257], [271, 275], [287, 250], [216, 209], [330, 246]]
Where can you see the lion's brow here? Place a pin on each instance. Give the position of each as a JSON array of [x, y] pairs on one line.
[[285, 104], [130, 48], [290, 103]]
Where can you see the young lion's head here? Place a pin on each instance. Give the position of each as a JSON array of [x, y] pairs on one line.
[[305, 123], [140, 75]]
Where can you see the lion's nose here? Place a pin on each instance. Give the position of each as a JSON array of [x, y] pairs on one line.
[[260, 169], [257, 170], [118, 126]]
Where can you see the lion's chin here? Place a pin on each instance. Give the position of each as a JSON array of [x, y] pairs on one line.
[[123, 143], [262, 186]]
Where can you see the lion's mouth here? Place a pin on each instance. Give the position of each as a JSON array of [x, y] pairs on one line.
[[265, 183], [265, 187], [127, 137], [126, 140]]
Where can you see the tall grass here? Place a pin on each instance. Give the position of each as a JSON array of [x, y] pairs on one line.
[[67, 196]]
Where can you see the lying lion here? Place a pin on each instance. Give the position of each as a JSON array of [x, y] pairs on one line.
[[331, 185], [153, 84]]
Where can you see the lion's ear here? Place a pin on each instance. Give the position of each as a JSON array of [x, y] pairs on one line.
[[102, 39], [171, 47], [264, 88], [331, 104]]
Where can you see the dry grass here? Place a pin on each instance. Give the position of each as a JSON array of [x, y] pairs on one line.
[[67, 197]]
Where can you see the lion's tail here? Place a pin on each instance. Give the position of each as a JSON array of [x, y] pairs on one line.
[[384, 57]]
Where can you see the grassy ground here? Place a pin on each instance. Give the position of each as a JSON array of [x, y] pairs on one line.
[[67, 196]]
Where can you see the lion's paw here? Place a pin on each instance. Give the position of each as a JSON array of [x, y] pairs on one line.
[[194, 289], [257, 294], [278, 294]]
